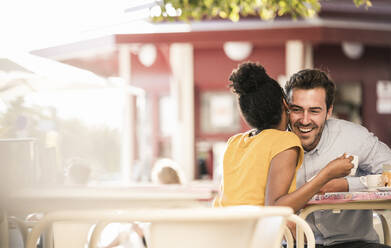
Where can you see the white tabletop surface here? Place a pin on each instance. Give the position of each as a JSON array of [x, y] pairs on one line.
[[54, 198]]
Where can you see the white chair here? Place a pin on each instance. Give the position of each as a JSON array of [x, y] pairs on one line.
[[381, 223], [4, 242], [62, 232], [301, 224], [244, 226], [225, 227]]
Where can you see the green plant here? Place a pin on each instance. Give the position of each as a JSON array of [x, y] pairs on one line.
[[186, 10]]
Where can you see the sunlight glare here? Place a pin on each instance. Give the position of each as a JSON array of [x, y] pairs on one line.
[[92, 107], [28, 25]]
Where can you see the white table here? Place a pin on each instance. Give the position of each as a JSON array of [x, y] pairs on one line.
[[349, 201], [46, 199], [32, 200]]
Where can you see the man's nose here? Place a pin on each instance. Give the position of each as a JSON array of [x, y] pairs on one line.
[[306, 118]]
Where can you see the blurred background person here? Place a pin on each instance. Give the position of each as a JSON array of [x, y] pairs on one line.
[[77, 172]]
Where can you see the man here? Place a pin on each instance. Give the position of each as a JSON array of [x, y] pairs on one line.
[[311, 95]]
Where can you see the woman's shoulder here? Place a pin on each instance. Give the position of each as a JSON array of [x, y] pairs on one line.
[[279, 141], [236, 138], [270, 136], [282, 139], [277, 134]]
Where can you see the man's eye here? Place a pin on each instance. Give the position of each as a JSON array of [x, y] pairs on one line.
[[296, 110], [315, 111]]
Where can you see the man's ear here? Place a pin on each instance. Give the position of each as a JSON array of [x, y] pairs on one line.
[[329, 112]]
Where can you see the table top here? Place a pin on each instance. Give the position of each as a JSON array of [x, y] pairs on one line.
[[45, 199], [341, 197], [337, 201], [134, 192]]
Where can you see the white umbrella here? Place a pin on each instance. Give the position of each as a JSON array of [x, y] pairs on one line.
[[23, 73]]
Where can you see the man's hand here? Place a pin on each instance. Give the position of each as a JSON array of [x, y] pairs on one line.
[[335, 185], [338, 167]]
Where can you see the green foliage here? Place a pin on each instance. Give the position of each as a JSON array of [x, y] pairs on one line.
[[367, 3], [186, 10]]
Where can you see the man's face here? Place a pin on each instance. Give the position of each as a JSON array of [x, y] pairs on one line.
[[308, 114]]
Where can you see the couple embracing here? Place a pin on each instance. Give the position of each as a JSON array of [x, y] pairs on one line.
[[296, 150]]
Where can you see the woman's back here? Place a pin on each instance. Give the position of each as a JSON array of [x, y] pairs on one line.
[[246, 164]]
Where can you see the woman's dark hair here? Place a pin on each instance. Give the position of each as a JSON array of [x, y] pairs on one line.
[[311, 79], [260, 97]]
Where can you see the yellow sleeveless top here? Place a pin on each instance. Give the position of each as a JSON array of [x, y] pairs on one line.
[[246, 165]]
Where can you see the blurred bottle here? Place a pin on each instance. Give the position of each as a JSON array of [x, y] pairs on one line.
[[387, 174]]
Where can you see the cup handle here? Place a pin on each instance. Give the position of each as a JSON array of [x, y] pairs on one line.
[[364, 181]]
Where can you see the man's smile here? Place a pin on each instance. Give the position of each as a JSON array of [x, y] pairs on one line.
[[305, 129]]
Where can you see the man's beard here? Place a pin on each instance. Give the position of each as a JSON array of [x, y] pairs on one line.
[[317, 136]]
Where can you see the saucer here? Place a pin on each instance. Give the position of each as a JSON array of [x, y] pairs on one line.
[[371, 189], [384, 188]]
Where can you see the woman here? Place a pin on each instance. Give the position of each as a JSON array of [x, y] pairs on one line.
[[259, 166]]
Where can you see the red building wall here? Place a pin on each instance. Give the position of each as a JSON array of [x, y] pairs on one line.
[[155, 80], [374, 65], [212, 69], [211, 72]]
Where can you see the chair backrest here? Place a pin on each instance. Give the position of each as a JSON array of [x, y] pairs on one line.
[[70, 234], [303, 226], [251, 227], [269, 232], [225, 227]]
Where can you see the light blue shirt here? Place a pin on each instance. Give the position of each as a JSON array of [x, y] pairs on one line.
[[340, 137]]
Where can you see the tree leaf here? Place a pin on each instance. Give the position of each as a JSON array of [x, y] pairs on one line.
[[234, 9]]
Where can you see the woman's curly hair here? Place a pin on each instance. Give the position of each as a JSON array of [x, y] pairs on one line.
[[260, 97]]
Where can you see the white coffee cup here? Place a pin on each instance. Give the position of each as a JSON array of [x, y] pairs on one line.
[[352, 171], [372, 181], [355, 164]]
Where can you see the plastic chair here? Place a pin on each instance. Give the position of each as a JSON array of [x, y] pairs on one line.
[[4, 242], [381, 221], [227, 227], [244, 226], [301, 224], [79, 232]]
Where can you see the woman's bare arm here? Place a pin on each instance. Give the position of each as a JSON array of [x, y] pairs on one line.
[[282, 171]]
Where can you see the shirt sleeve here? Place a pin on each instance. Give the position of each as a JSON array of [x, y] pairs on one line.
[[373, 154], [355, 184], [285, 141]]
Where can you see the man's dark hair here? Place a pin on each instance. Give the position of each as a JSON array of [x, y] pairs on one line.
[[310, 79], [260, 97]]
